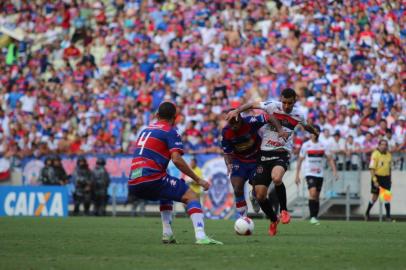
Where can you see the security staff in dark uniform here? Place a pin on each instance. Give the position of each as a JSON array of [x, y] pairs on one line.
[[82, 179], [47, 174], [60, 173], [101, 182]]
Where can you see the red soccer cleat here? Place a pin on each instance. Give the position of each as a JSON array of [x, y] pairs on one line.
[[285, 217], [272, 228]]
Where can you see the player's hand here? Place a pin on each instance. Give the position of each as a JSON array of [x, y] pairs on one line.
[[376, 184], [204, 184], [284, 135], [375, 181], [297, 180], [232, 114], [335, 175]]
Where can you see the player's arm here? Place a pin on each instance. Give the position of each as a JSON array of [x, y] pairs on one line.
[[248, 106], [298, 167], [332, 164], [310, 128], [372, 168], [277, 124], [227, 150], [228, 160], [181, 164]]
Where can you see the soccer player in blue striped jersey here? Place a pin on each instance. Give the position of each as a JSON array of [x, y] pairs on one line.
[[241, 146], [155, 147]]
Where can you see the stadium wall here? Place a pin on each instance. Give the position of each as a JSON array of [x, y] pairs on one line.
[[223, 194]]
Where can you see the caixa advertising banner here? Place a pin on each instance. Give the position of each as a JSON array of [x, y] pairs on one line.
[[39, 201]]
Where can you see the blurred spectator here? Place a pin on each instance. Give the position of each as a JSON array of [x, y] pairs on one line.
[[105, 65]]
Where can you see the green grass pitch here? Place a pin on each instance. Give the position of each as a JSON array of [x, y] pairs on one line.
[[134, 243]]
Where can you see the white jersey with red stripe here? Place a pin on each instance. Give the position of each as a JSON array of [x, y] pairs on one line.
[[314, 154], [270, 137]]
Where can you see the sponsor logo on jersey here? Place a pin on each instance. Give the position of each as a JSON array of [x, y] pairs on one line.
[[260, 169]]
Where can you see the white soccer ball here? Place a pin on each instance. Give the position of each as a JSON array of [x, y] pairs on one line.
[[244, 226]]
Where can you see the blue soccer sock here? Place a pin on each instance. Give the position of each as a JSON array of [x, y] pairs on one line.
[[194, 209]]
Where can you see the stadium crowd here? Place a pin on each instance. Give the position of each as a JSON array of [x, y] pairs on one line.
[[94, 72]]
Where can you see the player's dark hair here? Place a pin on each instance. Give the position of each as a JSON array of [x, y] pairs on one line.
[[382, 140], [317, 127], [167, 111], [288, 93]]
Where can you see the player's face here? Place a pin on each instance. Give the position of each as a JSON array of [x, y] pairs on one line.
[[383, 146], [287, 104]]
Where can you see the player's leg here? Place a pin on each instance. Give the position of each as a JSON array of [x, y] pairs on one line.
[[166, 209], [374, 197], [261, 192], [386, 183], [314, 186], [261, 182], [194, 210], [250, 173], [175, 189], [240, 204], [278, 172]]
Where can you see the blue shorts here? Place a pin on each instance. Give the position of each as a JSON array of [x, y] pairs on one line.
[[245, 170], [166, 188]]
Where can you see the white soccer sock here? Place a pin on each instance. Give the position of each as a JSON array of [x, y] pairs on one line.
[[166, 217], [198, 225]]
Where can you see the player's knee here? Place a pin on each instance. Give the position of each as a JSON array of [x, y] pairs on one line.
[[261, 194], [189, 196], [277, 181]]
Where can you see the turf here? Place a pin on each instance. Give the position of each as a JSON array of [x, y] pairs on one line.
[[134, 243]]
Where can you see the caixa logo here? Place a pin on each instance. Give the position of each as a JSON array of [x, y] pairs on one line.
[[34, 201]]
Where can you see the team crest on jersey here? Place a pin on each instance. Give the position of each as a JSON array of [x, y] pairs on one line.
[[253, 120], [260, 169]]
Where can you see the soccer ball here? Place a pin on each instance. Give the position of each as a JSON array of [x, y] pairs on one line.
[[244, 226]]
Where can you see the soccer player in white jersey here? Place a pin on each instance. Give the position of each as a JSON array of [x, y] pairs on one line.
[[313, 154], [273, 160]]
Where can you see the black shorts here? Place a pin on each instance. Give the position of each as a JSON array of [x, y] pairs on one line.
[[384, 181], [267, 160], [314, 181]]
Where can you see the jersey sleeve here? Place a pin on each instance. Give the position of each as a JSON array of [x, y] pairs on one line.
[[175, 143], [327, 151], [302, 119], [302, 152], [374, 160], [226, 143], [268, 106], [258, 121]]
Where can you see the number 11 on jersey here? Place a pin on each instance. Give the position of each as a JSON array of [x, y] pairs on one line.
[[143, 140]]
